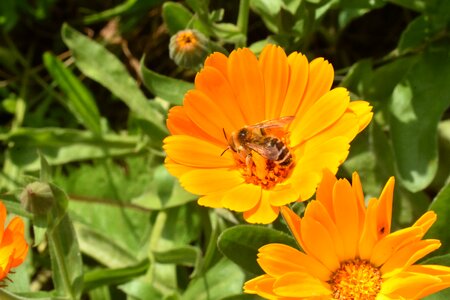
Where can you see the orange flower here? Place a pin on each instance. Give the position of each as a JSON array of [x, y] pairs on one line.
[[278, 120], [349, 251], [13, 247]]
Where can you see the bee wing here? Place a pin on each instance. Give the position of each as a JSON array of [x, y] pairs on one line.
[[270, 153], [274, 123]]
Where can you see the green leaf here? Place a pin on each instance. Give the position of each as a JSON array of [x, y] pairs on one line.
[[439, 230], [107, 276], [419, 31], [170, 89], [125, 8], [102, 66], [176, 16], [416, 106], [241, 244], [60, 146], [80, 100], [222, 280], [65, 254], [116, 244], [184, 255], [141, 289]]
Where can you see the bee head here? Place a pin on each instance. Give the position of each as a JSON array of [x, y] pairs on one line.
[[243, 135]]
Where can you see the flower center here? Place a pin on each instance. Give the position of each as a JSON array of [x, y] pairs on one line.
[[264, 172], [356, 280], [186, 40]]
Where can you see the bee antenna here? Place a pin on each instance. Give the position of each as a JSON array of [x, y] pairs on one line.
[[224, 134], [224, 151]]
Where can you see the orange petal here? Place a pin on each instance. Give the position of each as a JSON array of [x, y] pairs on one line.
[[261, 285], [279, 259], [363, 111], [407, 285], [345, 126], [294, 223], [300, 285], [408, 255], [275, 72], [283, 194], [425, 221], [216, 87], [2, 219], [246, 79], [218, 61], [207, 115], [322, 248], [178, 122], [328, 155], [357, 189], [195, 152], [384, 209], [388, 245], [347, 219], [298, 79], [306, 181], [16, 228], [205, 181], [242, 198], [320, 79], [324, 192], [324, 112], [213, 200], [263, 213], [175, 169], [318, 212], [369, 235]]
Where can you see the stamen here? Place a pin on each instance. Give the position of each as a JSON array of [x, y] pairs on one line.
[[263, 172], [357, 280]]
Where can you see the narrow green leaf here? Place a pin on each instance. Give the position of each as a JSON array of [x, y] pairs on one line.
[[241, 244], [127, 7], [60, 146], [107, 276], [102, 66], [176, 16], [439, 230], [167, 88], [417, 105], [185, 255], [80, 100]]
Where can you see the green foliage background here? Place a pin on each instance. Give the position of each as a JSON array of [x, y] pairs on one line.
[[85, 87]]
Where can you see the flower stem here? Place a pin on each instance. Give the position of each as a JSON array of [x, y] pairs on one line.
[[242, 21]]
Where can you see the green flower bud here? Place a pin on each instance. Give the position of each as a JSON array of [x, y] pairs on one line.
[[37, 198], [189, 48]]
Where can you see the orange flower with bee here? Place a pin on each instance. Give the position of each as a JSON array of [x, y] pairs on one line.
[[255, 133]]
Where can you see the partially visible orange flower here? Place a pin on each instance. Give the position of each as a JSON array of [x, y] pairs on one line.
[[349, 251], [13, 247], [278, 122]]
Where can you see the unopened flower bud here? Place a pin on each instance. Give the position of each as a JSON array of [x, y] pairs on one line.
[[37, 198], [189, 48]]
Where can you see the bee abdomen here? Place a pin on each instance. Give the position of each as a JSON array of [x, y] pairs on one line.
[[284, 157]]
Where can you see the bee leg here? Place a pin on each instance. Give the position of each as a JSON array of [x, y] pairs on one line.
[[249, 162]]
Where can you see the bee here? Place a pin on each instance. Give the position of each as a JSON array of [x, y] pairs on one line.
[[266, 138]]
